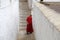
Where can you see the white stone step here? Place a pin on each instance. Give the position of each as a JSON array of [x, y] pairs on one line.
[[23, 25], [23, 16], [24, 6], [22, 29], [22, 10], [22, 33], [22, 0], [22, 19], [23, 22], [25, 13]]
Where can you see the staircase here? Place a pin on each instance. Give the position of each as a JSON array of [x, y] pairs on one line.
[[23, 0], [24, 13]]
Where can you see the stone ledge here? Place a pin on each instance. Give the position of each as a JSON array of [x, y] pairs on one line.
[[50, 14]]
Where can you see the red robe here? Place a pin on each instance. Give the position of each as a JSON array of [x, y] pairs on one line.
[[29, 25]]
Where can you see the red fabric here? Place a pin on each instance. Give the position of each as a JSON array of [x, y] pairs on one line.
[[29, 20], [29, 25]]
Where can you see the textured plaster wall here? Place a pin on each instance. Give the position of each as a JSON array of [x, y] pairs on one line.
[[52, 0], [9, 21], [43, 28]]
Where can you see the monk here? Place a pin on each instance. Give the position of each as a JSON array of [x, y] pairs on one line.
[[29, 28]]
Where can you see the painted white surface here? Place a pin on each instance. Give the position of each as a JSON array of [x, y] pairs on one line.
[[30, 4], [4, 3], [9, 21], [51, 0], [43, 28]]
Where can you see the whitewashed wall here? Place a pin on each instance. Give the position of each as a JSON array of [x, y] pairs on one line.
[[30, 3], [4, 3], [44, 30], [51, 0], [9, 20]]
